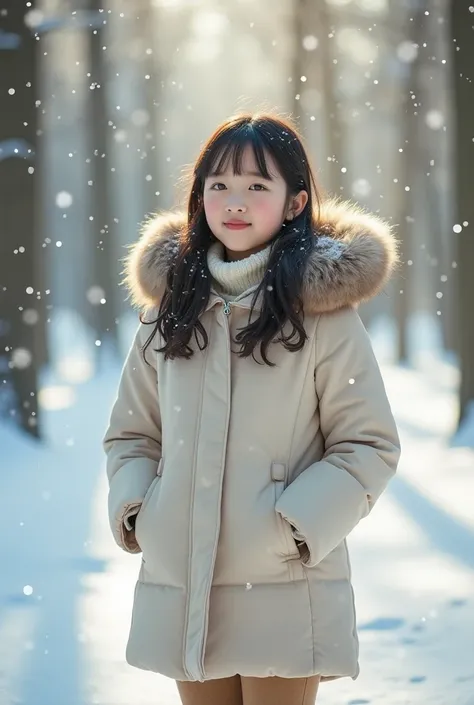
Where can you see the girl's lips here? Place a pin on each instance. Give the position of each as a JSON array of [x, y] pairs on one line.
[[236, 226]]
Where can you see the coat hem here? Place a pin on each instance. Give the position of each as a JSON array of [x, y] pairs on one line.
[[159, 609], [229, 674]]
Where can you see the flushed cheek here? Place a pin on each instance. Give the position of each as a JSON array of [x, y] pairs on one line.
[[267, 214], [212, 207]]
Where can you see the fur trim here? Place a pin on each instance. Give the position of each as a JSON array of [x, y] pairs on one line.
[[354, 255], [149, 259]]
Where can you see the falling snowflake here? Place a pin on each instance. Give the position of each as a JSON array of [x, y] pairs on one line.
[[33, 18], [434, 119], [310, 42], [21, 358], [30, 317], [361, 187], [407, 52], [96, 295], [120, 136], [64, 199]]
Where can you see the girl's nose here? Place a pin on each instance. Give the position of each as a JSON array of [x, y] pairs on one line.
[[235, 208]]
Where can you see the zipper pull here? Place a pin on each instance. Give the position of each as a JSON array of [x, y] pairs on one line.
[[227, 309]]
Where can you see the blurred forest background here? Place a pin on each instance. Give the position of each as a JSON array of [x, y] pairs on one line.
[[104, 103]]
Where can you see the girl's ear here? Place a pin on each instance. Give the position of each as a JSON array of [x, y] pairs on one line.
[[297, 205]]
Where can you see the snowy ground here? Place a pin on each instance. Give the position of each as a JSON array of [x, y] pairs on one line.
[[66, 590]]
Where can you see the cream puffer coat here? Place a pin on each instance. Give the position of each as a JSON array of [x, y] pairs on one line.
[[223, 455]]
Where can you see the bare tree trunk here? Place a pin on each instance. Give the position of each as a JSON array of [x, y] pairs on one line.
[[334, 126], [462, 21], [102, 224], [132, 56], [434, 87], [146, 19], [407, 177], [19, 308], [312, 20], [299, 56]]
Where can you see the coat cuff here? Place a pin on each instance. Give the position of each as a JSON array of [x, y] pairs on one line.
[[129, 515], [324, 504], [297, 535], [128, 488]]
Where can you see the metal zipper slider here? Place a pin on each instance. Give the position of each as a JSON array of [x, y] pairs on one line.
[[227, 309]]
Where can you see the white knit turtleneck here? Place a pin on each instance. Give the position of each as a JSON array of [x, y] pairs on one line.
[[234, 278]]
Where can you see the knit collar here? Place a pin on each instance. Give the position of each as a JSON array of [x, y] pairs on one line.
[[235, 278]]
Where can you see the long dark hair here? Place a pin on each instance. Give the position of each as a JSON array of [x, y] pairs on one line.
[[188, 282]]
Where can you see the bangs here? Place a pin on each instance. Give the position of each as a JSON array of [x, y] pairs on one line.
[[229, 149]]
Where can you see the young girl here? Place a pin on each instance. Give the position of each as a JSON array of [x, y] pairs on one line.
[[251, 431]]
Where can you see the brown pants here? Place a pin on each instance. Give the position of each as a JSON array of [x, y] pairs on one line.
[[243, 690]]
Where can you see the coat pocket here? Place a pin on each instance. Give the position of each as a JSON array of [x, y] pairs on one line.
[[141, 516], [290, 548]]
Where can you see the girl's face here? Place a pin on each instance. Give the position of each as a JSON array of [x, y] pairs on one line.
[[245, 211]]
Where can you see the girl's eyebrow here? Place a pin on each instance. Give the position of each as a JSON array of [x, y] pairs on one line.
[[255, 174]]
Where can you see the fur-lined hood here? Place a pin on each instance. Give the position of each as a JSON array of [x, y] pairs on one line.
[[353, 257]]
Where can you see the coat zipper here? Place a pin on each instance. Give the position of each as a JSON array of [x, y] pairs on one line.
[[227, 311]]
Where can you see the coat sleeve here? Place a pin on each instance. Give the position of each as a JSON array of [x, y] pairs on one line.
[[362, 448], [132, 441]]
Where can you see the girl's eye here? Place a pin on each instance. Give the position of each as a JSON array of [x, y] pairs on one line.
[[258, 187]]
